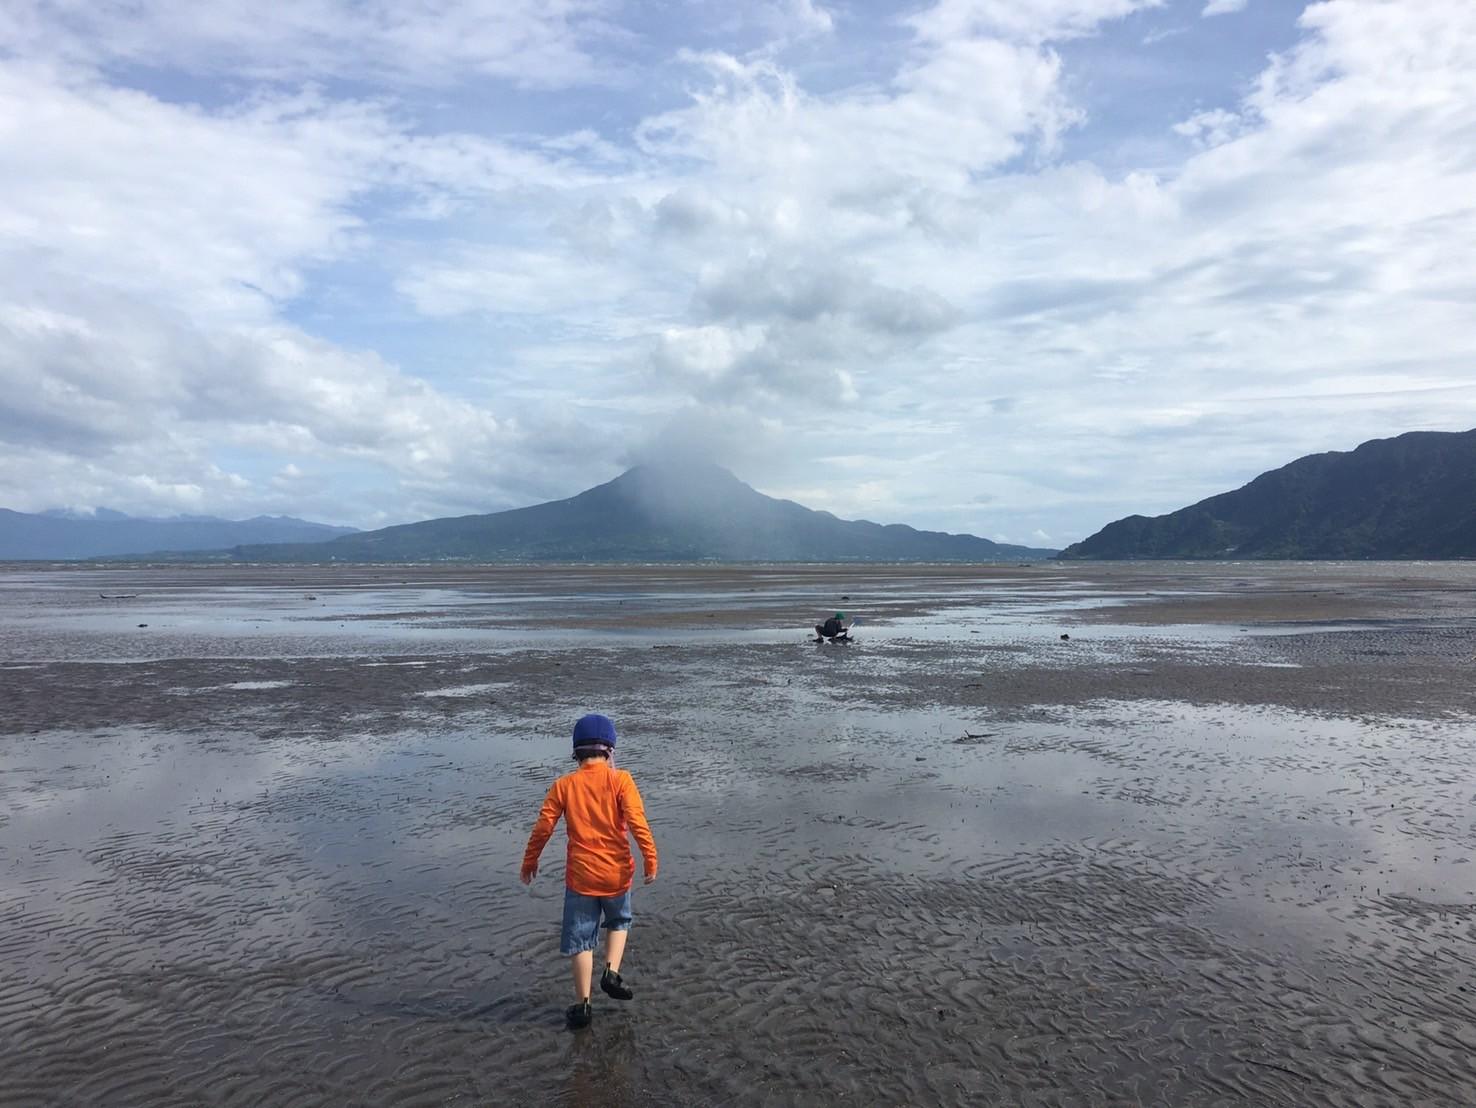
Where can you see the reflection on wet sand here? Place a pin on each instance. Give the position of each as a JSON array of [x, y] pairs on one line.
[[1163, 863]]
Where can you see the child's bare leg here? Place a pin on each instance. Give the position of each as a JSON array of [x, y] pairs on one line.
[[615, 948], [583, 966]]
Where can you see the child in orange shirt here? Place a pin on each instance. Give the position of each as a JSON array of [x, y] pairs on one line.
[[599, 804]]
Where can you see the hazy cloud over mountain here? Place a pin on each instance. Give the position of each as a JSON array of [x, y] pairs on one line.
[[986, 266]]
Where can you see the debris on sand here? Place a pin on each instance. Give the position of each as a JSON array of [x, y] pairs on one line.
[[969, 737], [1065, 638], [118, 595]]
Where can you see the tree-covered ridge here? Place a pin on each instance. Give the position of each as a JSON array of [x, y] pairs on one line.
[[1413, 496]]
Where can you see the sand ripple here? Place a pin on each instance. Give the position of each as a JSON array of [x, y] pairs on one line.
[[219, 889]]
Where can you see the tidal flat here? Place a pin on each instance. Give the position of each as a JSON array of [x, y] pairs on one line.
[[1066, 834]]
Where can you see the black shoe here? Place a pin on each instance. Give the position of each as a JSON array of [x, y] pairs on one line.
[[614, 986], [579, 1016]]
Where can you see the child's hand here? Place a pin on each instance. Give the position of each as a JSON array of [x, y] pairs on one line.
[[526, 877], [650, 876]]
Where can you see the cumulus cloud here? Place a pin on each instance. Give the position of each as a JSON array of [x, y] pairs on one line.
[[753, 121], [801, 217], [131, 379], [1223, 7], [277, 291], [1297, 251], [1211, 128], [805, 291], [148, 249], [707, 353]]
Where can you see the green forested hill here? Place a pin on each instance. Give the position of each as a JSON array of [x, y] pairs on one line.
[[1413, 496]]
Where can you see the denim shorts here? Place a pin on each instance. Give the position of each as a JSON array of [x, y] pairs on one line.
[[582, 919]]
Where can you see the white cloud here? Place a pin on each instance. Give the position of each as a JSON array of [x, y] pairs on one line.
[[512, 280], [537, 43], [707, 353], [1213, 127], [129, 192], [798, 205], [1039, 21], [1223, 7], [1309, 247], [147, 251], [1000, 339], [134, 375], [1153, 38], [799, 18], [754, 123]]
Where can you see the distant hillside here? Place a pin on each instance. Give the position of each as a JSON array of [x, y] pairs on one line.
[[691, 513], [62, 536], [1413, 496]]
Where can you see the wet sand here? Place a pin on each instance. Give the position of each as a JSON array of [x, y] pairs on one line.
[[1218, 846]]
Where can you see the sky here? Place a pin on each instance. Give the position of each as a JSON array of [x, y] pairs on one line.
[[1015, 269]]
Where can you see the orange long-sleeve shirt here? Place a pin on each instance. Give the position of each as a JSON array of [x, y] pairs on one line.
[[598, 803]]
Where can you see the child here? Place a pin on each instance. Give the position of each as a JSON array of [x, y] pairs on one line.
[[598, 803]]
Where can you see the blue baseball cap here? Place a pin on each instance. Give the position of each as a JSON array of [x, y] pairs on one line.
[[594, 730]]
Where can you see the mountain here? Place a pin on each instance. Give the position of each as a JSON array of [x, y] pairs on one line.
[[62, 535], [1413, 496], [690, 513]]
